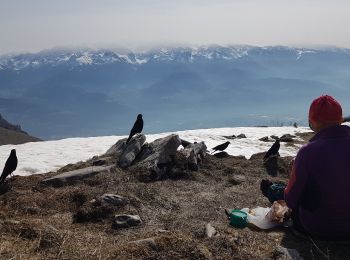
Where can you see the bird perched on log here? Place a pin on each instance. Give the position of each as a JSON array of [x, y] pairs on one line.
[[221, 147], [137, 128], [273, 150], [10, 166]]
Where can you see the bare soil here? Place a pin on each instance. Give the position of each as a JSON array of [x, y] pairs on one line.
[[41, 222]]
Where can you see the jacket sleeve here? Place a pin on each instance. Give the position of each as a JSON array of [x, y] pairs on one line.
[[297, 181]]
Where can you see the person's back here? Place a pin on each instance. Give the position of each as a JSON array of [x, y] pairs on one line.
[[319, 188], [325, 205]]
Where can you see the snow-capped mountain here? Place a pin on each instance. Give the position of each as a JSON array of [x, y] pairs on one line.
[[84, 92], [181, 54]]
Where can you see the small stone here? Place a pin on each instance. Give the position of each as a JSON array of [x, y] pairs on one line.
[[210, 230], [264, 139], [113, 199], [238, 179], [126, 221], [241, 136], [150, 242], [287, 138]]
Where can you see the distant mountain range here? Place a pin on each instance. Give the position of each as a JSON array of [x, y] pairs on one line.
[[60, 93]]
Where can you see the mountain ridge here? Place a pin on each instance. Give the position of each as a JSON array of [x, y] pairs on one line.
[[68, 93], [84, 56]]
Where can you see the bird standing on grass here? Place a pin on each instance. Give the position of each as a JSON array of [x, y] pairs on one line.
[[10, 166], [273, 150], [221, 147], [137, 128]]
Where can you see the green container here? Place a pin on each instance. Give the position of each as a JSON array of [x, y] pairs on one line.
[[238, 218]]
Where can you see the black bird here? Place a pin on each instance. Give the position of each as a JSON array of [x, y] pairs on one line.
[[137, 128], [273, 150], [10, 166], [221, 147]]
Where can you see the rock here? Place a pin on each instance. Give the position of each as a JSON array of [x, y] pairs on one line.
[[76, 175], [282, 253], [221, 155], [288, 138], [241, 136], [126, 221], [238, 179], [210, 230], [149, 242], [131, 150], [231, 137], [275, 137], [158, 158], [113, 199], [264, 139]]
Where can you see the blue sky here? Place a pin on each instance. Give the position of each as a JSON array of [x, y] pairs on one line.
[[34, 25]]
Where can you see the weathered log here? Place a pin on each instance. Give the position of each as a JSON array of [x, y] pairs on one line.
[[157, 157], [131, 150], [125, 153], [194, 154]]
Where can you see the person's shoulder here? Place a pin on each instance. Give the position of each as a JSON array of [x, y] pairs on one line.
[[306, 149]]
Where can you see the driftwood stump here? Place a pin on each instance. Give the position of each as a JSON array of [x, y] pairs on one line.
[[194, 154], [125, 153]]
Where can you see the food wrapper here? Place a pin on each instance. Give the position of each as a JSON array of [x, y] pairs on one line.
[[267, 218]]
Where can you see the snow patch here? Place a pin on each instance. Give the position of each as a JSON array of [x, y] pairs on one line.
[[41, 157]]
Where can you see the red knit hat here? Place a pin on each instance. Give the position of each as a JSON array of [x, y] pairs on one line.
[[324, 110]]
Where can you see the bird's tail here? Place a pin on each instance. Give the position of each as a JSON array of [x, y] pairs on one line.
[[2, 179]]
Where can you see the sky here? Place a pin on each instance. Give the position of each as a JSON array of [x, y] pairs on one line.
[[34, 25]]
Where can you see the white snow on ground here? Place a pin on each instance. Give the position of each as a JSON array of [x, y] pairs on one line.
[[41, 157]]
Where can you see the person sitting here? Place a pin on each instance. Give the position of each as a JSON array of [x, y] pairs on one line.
[[318, 191]]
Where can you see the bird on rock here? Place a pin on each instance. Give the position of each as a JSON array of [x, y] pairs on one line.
[[137, 128]]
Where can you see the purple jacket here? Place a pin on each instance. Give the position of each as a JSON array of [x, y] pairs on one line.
[[319, 186]]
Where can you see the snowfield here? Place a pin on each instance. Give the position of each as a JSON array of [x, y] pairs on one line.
[[42, 157]]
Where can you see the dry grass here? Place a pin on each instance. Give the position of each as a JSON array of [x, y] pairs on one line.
[[40, 222]]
